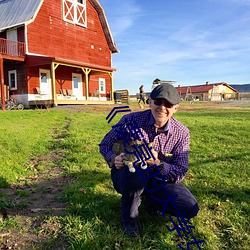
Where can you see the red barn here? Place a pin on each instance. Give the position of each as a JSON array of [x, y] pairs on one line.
[[56, 52]]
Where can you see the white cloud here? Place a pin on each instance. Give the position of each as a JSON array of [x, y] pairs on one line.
[[122, 15], [209, 42]]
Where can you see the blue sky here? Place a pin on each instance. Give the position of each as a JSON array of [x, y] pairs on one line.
[[188, 41]]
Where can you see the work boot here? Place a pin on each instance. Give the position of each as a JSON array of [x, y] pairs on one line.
[[131, 229]]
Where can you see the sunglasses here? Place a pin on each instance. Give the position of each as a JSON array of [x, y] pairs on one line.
[[159, 102]]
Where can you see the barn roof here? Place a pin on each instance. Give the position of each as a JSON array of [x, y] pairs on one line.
[[18, 12], [201, 88]]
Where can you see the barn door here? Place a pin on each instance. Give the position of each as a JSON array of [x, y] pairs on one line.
[[12, 48], [77, 85], [45, 83]]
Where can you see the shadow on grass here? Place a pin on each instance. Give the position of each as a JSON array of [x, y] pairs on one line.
[[231, 157], [31, 212], [217, 113], [215, 187], [217, 193], [227, 209], [94, 218], [3, 182]]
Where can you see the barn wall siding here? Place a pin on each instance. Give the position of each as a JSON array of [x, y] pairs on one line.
[[94, 84], [63, 77], [33, 79], [50, 35], [21, 77]]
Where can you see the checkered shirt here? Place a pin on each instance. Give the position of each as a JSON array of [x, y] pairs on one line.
[[172, 145]]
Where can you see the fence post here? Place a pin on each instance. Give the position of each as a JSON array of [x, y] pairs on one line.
[[2, 84]]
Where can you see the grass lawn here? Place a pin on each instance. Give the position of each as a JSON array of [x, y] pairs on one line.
[[218, 176]]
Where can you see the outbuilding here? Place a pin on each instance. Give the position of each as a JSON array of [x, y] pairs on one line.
[[207, 92]]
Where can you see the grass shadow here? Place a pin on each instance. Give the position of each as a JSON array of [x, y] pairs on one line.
[[94, 218]]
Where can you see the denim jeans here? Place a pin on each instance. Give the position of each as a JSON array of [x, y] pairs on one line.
[[132, 186]]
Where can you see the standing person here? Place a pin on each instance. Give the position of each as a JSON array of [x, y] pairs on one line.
[[142, 98], [171, 149], [156, 82]]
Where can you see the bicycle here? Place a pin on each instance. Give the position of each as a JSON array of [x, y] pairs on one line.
[[12, 104]]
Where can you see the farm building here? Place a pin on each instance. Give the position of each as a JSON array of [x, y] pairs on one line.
[[56, 52], [208, 92]]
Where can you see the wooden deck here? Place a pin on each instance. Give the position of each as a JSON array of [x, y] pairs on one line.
[[12, 48], [50, 103]]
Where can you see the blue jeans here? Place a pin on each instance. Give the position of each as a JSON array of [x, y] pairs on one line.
[[142, 98], [131, 186]]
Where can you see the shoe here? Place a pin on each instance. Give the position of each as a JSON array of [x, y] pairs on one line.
[[149, 208], [131, 230]]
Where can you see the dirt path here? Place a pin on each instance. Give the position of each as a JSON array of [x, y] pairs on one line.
[[33, 206], [184, 106]]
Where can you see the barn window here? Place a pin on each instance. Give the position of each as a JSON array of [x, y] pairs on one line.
[[102, 86], [12, 80], [74, 11], [43, 77]]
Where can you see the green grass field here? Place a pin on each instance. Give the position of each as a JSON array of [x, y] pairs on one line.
[[218, 176]]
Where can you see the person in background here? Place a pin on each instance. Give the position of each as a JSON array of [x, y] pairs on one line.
[[171, 149], [142, 98], [156, 83]]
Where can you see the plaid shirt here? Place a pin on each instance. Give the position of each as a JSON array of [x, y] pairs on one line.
[[172, 144]]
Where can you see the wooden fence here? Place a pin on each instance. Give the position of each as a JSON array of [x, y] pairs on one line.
[[121, 96]]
